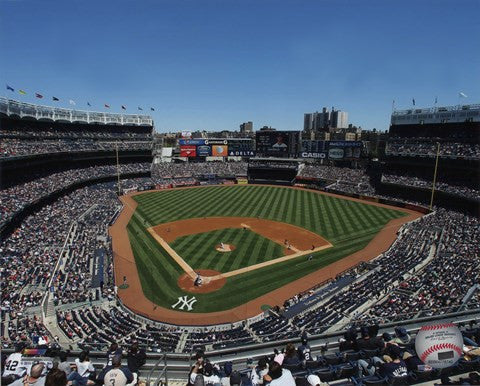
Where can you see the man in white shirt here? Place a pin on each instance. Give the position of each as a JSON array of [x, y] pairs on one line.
[[13, 368], [279, 376]]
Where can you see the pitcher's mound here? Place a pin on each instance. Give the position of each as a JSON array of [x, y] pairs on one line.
[[225, 248], [185, 282]]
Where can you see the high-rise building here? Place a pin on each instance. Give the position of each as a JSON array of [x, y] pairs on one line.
[[339, 119], [324, 120], [246, 127]]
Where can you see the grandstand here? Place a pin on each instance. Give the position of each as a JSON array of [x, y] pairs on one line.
[[59, 289]]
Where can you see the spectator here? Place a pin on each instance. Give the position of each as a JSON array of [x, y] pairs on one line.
[[278, 376], [35, 378], [64, 365], [291, 356], [113, 350], [56, 377], [115, 374], [84, 370], [136, 358], [13, 368]]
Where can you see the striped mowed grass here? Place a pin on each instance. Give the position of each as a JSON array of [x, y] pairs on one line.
[[198, 250], [348, 225]]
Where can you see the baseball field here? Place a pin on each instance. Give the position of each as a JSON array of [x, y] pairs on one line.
[[246, 242]]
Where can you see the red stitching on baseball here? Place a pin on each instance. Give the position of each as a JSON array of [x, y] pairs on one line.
[[441, 346], [437, 326]]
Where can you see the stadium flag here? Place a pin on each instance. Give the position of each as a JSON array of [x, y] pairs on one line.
[[22, 92], [123, 107], [72, 102], [151, 108], [10, 88], [462, 95], [140, 108], [436, 100], [55, 99], [39, 96], [88, 104], [107, 106], [413, 101]]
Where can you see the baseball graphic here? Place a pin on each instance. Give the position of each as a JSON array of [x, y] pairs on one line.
[[439, 345]]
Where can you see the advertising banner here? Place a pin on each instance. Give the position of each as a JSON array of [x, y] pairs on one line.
[[204, 151], [188, 151], [309, 154], [216, 142], [313, 146], [183, 142], [344, 149], [219, 151], [241, 150], [241, 153]]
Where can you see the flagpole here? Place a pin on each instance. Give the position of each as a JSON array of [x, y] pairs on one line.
[[118, 172], [435, 175]]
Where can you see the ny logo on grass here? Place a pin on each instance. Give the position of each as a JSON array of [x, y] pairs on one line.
[[183, 301]]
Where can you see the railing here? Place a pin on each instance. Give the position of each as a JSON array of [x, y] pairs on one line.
[[46, 298], [163, 372]]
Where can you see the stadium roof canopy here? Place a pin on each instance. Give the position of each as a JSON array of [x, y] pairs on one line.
[[13, 108]]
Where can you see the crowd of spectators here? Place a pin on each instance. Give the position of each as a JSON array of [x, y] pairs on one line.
[[29, 255], [363, 357], [446, 185], [441, 286], [30, 141], [87, 258], [427, 147], [335, 173], [122, 367], [14, 198], [197, 169], [10, 147]]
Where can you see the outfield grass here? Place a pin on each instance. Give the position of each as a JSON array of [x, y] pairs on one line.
[[348, 225], [199, 252]]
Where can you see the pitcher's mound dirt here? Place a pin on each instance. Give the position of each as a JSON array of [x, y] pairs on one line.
[[226, 247], [185, 282]]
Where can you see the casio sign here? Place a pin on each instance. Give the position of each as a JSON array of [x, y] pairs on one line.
[[312, 155]]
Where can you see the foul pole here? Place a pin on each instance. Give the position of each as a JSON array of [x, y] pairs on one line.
[[435, 175], [118, 172]]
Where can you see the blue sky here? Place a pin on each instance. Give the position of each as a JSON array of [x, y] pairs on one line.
[[212, 64]]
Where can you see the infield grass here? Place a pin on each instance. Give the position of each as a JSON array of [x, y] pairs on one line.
[[198, 250], [348, 225]]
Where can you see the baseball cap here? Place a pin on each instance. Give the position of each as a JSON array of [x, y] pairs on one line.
[[401, 332], [313, 380]]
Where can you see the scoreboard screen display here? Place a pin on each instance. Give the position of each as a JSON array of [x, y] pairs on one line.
[[277, 143]]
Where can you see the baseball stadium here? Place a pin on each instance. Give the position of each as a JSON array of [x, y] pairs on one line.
[[149, 237], [178, 252]]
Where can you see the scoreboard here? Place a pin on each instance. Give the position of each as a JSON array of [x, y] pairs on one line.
[[278, 143], [216, 147]]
